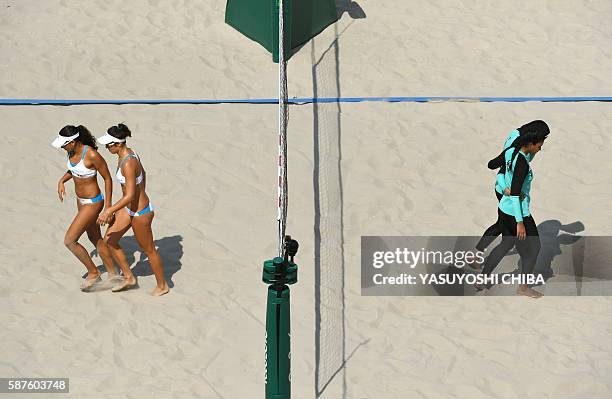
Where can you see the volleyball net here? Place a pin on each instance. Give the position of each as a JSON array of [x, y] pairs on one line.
[[330, 328]]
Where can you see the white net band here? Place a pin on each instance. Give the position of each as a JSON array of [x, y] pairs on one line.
[[282, 132]]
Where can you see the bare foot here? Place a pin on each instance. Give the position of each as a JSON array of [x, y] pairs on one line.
[[159, 291], [127, 284], [91, 280], [530, 292]]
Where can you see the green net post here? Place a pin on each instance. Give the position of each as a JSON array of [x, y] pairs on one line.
[[279, 273]]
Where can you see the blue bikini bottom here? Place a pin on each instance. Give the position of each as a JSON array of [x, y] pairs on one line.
[[85, 201], [147, 209]]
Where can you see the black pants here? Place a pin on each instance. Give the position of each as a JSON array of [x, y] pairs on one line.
[[528, 249], [492, 232]]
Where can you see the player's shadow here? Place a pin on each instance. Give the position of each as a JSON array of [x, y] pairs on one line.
[[553, 236], [170, 249], [451, 271]]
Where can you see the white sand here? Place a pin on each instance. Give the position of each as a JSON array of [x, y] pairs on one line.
[[212, 173]]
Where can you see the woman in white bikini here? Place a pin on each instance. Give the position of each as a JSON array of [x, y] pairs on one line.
[[83, 164], [133, 210]]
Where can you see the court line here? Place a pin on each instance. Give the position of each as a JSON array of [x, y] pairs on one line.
[[302, 101]]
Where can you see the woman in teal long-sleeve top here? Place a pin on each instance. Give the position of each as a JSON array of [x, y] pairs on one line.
[[501, 187], [514, 214]]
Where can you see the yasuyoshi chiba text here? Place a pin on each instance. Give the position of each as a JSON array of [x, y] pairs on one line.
[[470, 279]]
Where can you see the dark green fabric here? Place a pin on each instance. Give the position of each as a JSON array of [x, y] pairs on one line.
[[258, 20]]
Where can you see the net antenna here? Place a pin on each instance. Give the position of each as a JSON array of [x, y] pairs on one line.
[[283, 119]]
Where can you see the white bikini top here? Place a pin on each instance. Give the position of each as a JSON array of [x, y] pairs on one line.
[[119, 175], [79, 169]]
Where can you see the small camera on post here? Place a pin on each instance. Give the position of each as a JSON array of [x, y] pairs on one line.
[[282, 271]]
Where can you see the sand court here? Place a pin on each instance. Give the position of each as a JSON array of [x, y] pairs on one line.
[[354, 169]]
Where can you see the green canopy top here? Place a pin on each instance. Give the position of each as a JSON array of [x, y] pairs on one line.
[[258, 20]]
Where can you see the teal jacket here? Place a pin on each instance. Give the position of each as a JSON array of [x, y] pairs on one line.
[[500, 180], [517, 203]]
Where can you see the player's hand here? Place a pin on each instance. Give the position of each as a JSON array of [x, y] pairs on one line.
[[520, 231], [61, 191], [111, 220], [105, 217], [506, 191]]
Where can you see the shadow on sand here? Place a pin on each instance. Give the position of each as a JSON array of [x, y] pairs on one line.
[[352, 8], [330, 324], [553, 236], [170, 249]]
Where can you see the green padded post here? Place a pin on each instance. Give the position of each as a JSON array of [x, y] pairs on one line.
[[278, 272]]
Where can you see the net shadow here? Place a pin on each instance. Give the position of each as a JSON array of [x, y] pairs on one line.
[[330, 329]]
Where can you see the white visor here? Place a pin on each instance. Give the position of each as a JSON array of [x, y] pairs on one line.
[[61, 141], [107, 139]]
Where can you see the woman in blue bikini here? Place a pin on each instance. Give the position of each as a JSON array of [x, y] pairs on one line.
[[83, 165], [134, 210]]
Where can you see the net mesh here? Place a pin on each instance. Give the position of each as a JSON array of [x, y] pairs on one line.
[[283, 119], [329, 239]]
